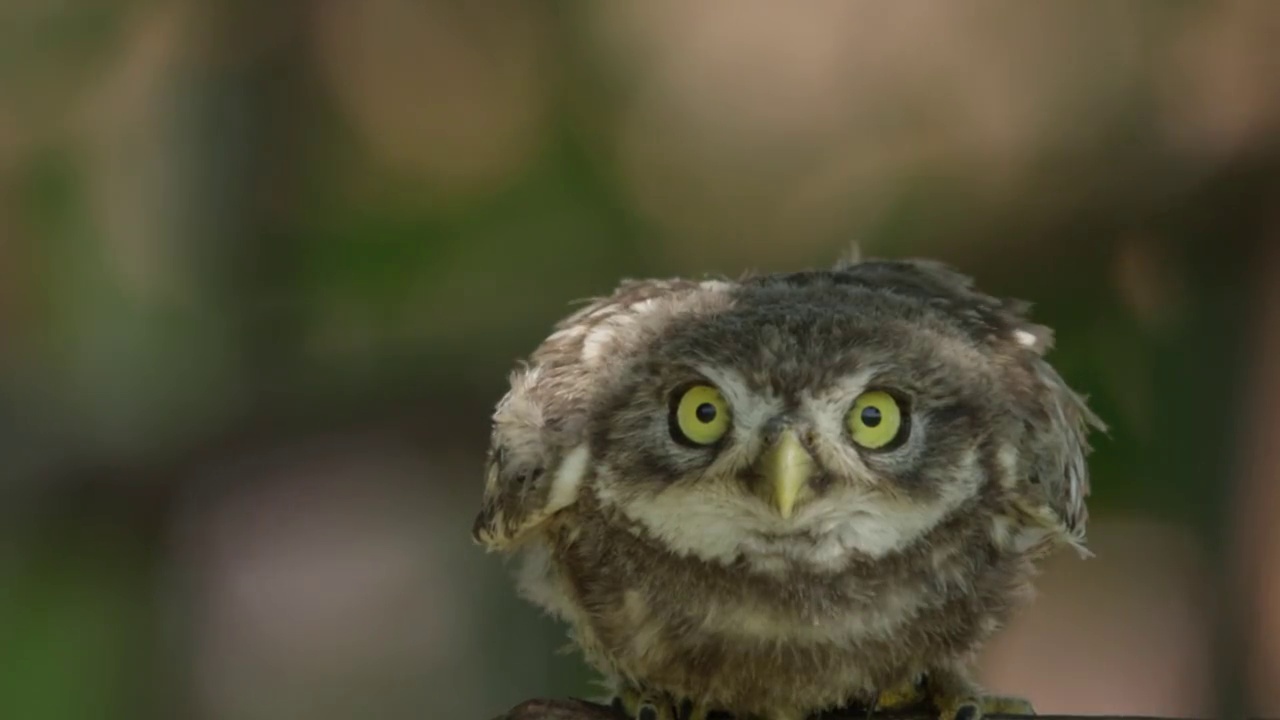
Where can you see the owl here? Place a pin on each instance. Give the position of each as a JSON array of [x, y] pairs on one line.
[[790, 493]]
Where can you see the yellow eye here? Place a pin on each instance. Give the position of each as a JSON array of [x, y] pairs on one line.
[[875, 420], [700, 415]]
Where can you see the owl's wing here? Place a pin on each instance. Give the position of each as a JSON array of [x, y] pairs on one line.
[[1053, 477], [531, 472], [1056, 472], [518, 501], [538, 455]]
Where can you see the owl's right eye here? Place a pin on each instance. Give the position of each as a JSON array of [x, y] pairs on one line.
[[699, 415]]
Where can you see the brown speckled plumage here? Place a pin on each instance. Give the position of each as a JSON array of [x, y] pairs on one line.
[[678, 580]]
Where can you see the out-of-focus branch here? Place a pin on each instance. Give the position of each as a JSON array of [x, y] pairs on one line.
[[543, 709]]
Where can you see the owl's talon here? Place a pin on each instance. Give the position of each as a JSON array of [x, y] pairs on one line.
[[643, 706], [976, 708], [907, 694], [1007, 705]]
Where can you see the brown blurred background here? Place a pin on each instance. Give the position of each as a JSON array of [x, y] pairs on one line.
[[264, 268]]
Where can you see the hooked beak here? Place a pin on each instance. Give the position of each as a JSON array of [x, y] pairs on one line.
[[786, 467]]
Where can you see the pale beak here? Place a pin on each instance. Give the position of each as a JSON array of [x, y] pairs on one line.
[[786, 467]]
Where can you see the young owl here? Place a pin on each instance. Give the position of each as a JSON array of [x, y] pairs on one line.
[[785, 494]]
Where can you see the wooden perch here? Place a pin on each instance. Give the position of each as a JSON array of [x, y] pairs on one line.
[[543, 709]]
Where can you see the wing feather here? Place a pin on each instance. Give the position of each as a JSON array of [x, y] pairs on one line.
[[538, 456], [1057, 477]]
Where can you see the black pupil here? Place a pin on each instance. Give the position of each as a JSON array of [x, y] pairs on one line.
[[705, 413], [871, 416]]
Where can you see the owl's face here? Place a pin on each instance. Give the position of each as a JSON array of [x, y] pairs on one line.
[[785, 427], [804, 420]]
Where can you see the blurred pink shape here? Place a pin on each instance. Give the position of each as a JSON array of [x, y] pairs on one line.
[[1258, 503], [1120, 633], [454, 94]]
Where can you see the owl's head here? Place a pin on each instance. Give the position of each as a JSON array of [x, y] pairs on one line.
[[792, 419]]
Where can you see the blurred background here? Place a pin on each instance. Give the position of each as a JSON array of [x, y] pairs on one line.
[[264, 268]]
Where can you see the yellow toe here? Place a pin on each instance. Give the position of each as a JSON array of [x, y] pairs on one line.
[[976, 708], [904, 695]]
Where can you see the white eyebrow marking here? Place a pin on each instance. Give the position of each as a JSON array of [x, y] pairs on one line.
[[750, 408], [827, 409]]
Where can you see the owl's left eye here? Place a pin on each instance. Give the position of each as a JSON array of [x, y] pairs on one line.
[[699, 415], [876, 421]]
